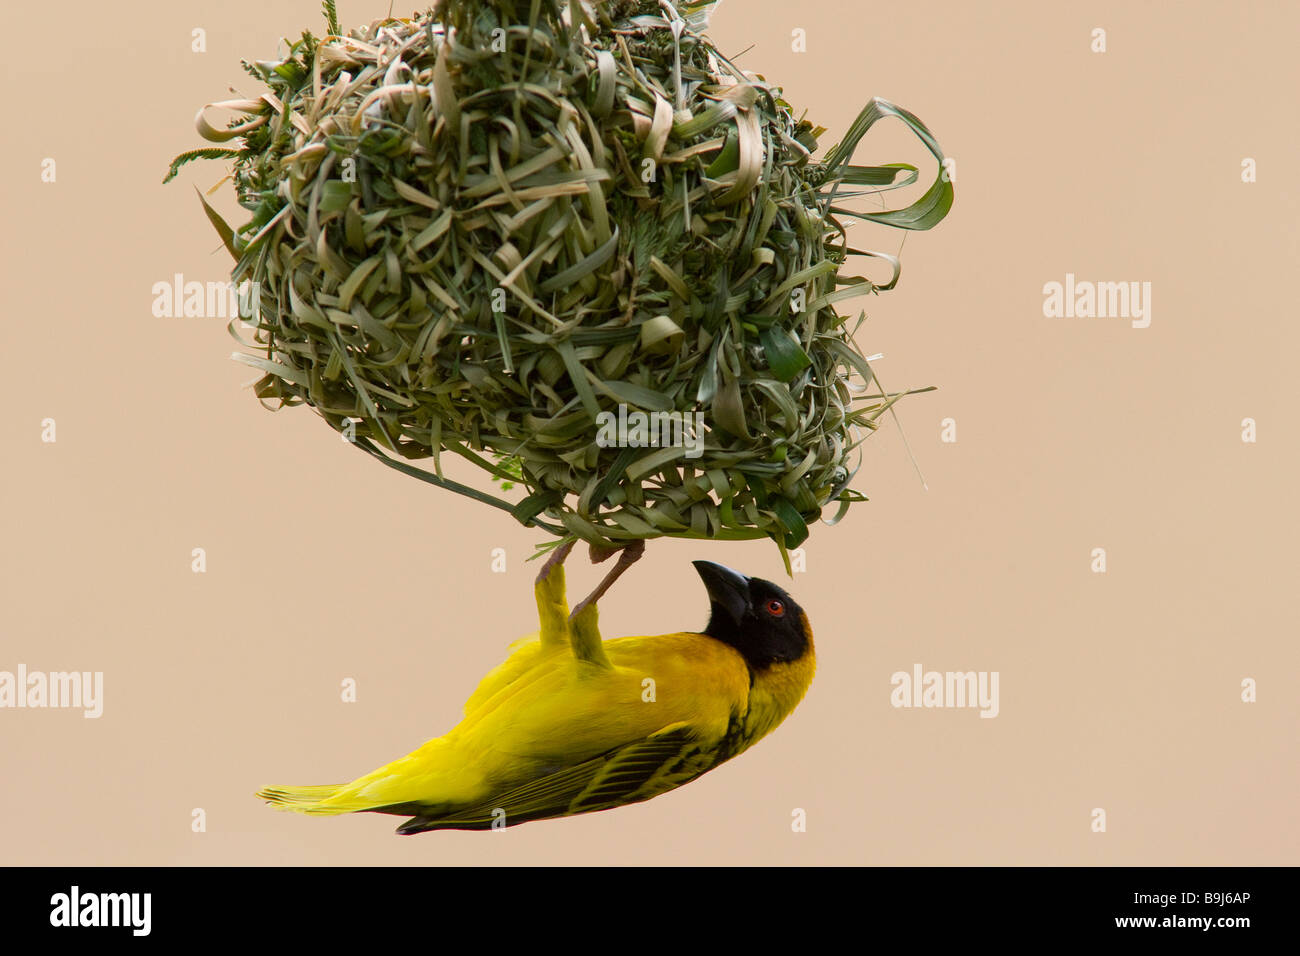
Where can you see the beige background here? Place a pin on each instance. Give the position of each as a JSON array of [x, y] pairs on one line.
[[1119, 691]]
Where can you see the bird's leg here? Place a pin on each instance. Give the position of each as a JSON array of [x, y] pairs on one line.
[[628, 555], [552, 603]]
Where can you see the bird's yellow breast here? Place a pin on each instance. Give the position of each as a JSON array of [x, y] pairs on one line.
[[776, 692]]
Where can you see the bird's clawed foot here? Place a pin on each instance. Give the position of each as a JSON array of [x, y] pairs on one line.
[[628, 555], [557, 558]]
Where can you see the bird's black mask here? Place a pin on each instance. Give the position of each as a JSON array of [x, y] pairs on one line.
[[754, 616]]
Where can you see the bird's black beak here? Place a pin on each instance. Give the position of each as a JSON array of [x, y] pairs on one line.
[[727, 589]]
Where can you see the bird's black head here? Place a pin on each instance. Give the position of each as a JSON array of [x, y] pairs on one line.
[[754, 616]]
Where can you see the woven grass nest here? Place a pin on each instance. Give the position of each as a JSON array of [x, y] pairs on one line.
[[477, 230]]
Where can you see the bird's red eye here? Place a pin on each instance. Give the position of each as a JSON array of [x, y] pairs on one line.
[[775, 608]]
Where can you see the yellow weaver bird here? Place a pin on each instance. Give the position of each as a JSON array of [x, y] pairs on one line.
[[570, 723]]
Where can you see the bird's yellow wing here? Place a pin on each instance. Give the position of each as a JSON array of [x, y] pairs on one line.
[[667, 759]]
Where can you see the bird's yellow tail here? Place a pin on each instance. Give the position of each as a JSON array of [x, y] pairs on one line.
[[304, 799], [433, 775]]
